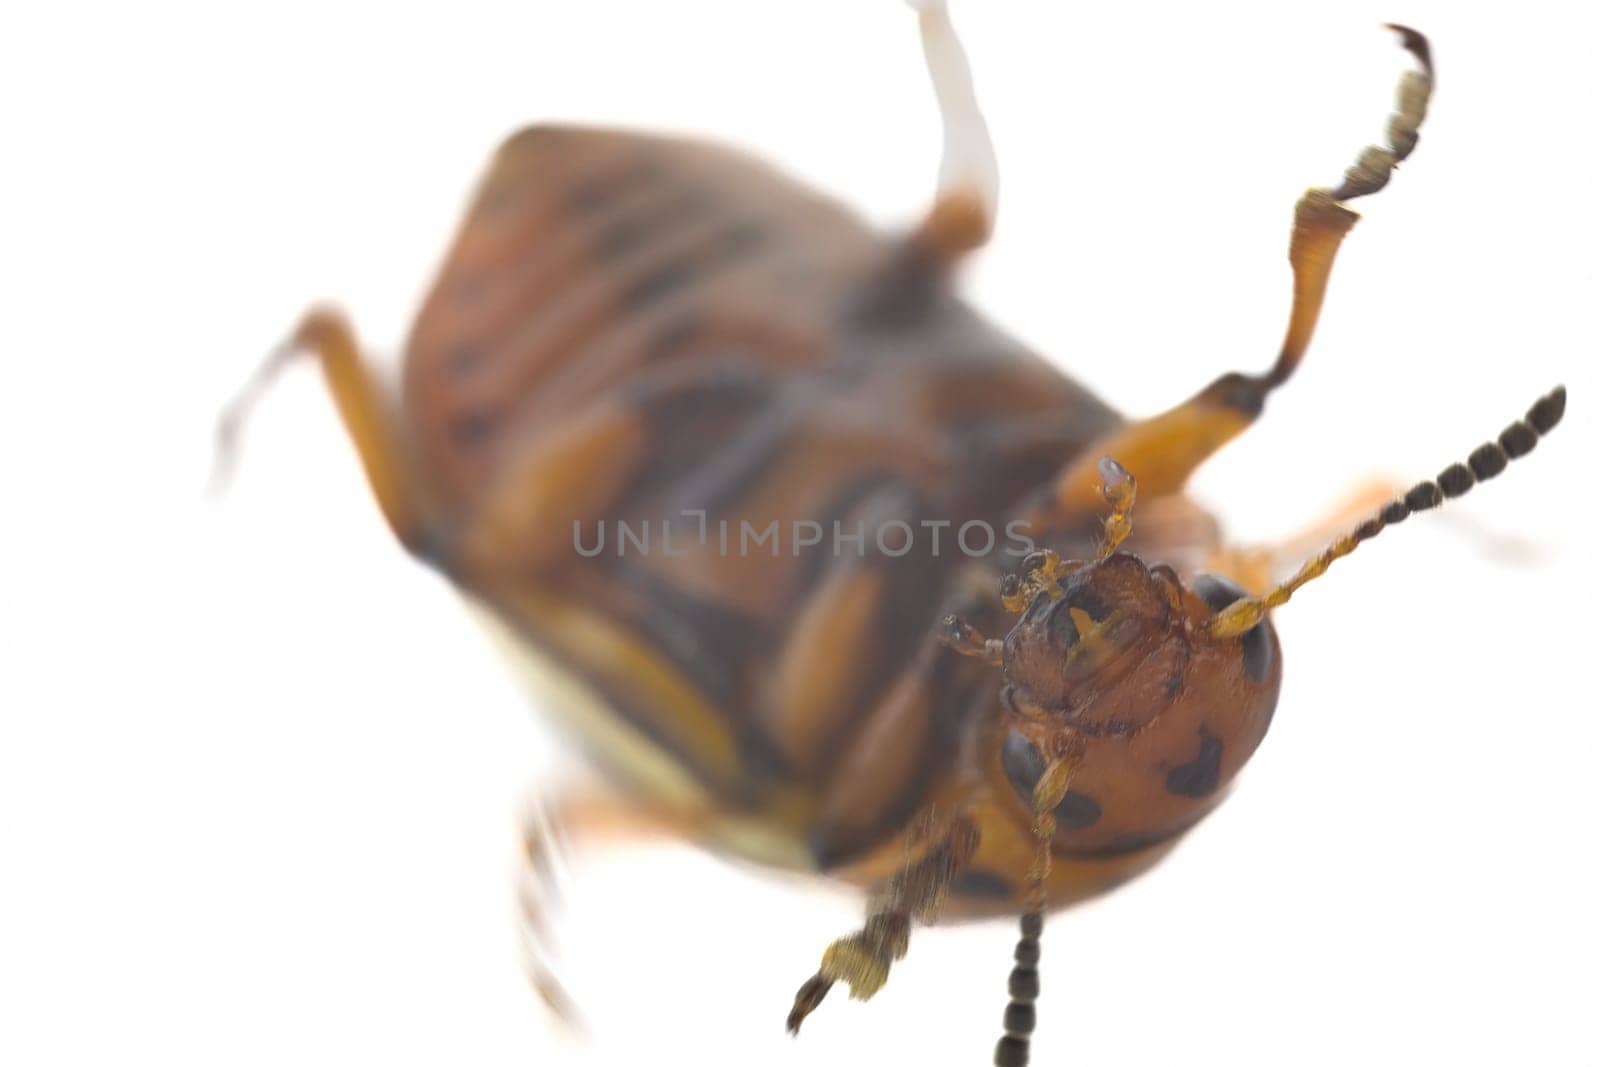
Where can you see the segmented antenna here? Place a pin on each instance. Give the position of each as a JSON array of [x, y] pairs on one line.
[[1486, 461], [1013, 1048]]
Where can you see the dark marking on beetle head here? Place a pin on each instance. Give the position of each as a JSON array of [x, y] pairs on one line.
[[1083, 642], [1201, 775], [1256, 644]]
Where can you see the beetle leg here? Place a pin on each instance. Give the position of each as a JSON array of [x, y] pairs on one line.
[[963, 212], [363, 406], [961, 636], [1164, 450], [539, 898], [917, 891]]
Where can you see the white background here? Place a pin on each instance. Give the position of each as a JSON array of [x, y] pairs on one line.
[[263, 768]]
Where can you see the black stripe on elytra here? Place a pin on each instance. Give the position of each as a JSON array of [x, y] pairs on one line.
[[688, 424], [1201, 775], [676, 335], [1218, 592], [740, 460], [617, 237], [594, 193], [724, 247], [709, 643]]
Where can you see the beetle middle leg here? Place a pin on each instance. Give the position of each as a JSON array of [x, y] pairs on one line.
[[1164, 450]]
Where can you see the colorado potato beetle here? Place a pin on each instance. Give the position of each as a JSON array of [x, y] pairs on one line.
[[858, 584]]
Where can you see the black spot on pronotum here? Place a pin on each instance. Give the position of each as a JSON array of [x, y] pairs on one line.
[[1201, 775], [1218, 593], [1022, 763], [1077, 810], [982, 885]]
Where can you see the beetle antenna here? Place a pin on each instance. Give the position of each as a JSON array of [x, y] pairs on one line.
[[1486, 461], [1020, 1018]]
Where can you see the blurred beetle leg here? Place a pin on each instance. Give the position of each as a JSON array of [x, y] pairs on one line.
[[1161, 452], [959, 635], [539, 895], [963, 212], [917, 891], [364, 407]]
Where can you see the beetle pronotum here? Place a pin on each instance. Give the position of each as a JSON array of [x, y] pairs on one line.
[[611, 377]]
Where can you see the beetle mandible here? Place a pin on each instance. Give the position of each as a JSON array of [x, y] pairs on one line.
[[631, 330]]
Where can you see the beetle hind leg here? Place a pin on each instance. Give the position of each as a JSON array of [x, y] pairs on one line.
[[1164, 450], [539, 899], [963, 211]]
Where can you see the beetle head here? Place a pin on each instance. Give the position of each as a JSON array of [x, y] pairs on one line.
[[1093, 646]]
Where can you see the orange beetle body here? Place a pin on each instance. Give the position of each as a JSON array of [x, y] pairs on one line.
[[755, 483]]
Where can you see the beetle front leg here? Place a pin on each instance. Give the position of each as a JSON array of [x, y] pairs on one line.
[[1164, 450], [862, 960], [961, 636]]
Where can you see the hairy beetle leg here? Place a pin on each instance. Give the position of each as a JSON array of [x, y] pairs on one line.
[[917, 891], [1164, 450]]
